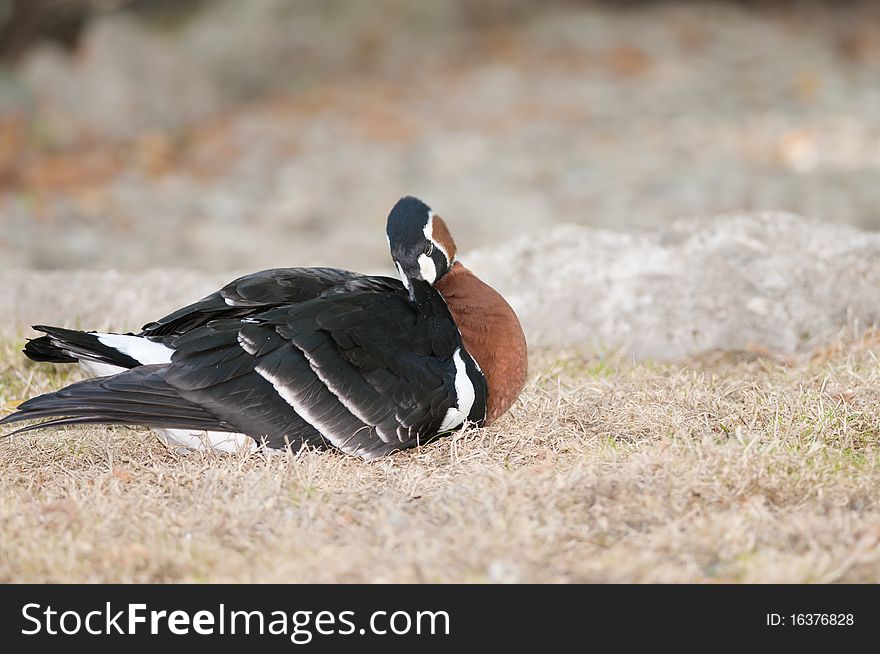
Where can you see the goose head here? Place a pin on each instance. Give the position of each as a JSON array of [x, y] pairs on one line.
[[421, 246]]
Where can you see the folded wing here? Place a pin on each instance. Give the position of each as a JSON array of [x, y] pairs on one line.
[[360, 369]]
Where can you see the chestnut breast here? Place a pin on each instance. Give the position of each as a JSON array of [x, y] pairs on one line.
[[491, 333]]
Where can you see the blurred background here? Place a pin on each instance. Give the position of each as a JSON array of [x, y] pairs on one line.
[[225, 135]]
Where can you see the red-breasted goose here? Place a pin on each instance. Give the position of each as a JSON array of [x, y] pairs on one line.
[[319, 356]]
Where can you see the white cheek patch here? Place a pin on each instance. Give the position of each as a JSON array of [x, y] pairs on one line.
[[429, 270], [429, 234]]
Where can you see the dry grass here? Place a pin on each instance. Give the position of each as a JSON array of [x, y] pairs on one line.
[[724, 468]]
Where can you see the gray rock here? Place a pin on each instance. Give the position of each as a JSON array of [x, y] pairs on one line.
[[772, 280]]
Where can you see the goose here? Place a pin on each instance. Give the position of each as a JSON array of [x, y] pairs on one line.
[[292, 357]]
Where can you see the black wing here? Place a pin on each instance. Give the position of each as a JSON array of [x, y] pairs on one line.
[[135, 397], [257, 292], [243, 297], [363, 370]]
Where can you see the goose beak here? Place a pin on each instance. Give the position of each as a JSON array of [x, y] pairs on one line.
[[407, 280]]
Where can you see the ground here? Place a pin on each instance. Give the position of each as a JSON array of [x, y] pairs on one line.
[[724, 467]]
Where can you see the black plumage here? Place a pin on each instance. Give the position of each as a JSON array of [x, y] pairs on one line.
[[262, 290], [136, 397], [61, 345], [292, 356], [240, 298]]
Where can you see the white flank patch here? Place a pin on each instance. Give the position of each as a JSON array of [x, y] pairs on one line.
[[142, 350], [403, 277], [465, 393], [99, 369], [429, 270], [201, 440]]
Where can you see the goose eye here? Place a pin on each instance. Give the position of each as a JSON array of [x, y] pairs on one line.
[[429, 250]]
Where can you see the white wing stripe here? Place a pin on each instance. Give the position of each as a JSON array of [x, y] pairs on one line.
[[384, 435], [301, 409]]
